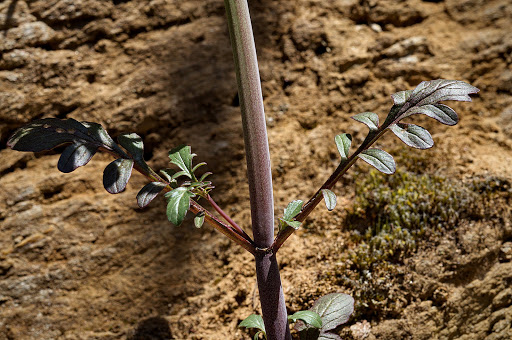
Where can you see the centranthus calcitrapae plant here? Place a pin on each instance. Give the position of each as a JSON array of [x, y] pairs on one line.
[[184, 184]]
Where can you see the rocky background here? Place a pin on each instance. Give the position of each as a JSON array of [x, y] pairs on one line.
[[79, 263]]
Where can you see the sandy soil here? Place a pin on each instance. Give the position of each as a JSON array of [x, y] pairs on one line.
[[79, 263]]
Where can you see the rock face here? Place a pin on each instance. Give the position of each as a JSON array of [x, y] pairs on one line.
[[79, 263]]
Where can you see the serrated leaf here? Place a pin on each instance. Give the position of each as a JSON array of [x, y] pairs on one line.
[[253, 321], [379, 159], [413, 135], [370, 119], [46, 134], [149, 192], [343, 142], [178, 204], [292, 210], [329, 198], [182, 156], [168, 173], [309, 317], [75, 155], [132, 142], [199, 219], [117, 174]]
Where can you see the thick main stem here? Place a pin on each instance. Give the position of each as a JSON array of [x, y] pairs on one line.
[[258, 168]]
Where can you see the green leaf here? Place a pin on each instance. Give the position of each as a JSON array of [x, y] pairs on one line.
[[294, 224], [168, 173], [379, 159], [197, 166], [133, 144], [75, 155], [292, 210], [254, 321], [117, 174], [329, 198], [343, 142], [334, 309], [309, 317], [199, 219], [370, 119], [413, 135], [149, 192], [257, 335], [182, 156], [203, 177], [178, 204]]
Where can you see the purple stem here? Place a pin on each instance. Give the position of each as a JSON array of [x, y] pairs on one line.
[[258, 168]]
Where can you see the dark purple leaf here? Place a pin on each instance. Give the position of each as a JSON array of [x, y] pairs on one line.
[[149, 192], [74, 156], [117, 174], [46, 134]]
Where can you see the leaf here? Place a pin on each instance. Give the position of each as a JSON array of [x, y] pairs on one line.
[[343, 142], [334, 309], [199, 219], [370, 119], [294, 224], [75, 155], [440, 112], [117, 174], [197, 166], [434, 91], [425, 99], [46, 134], [413, 135], [254, 321], [133, 144], [203, 177], [292, 210], [309, 317], [379, 159], [149, 192], [182, 156], [328, 336], [329, 198], [401, 97], [100, 136], [178, 204]]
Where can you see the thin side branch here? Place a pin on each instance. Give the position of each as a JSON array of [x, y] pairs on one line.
[[331, 181]]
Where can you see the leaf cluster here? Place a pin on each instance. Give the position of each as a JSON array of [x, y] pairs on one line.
[[87, 138], [327, 313]]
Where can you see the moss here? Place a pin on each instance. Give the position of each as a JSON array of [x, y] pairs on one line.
[[393, 215], [392, 212]]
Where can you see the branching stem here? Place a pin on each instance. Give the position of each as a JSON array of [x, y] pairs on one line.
[[331, 181]]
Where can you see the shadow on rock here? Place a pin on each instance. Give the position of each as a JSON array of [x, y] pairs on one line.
[[155, 328]]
